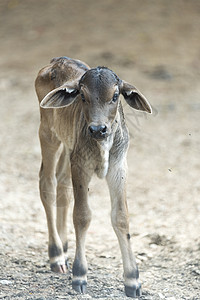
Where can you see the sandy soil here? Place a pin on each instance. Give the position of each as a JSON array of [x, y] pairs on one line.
[[154, 45]]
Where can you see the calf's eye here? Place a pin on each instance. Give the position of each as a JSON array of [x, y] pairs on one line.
[[115, 97]]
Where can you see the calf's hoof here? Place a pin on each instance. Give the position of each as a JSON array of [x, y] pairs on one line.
[[60, 267], [80, 286], [133, 291]]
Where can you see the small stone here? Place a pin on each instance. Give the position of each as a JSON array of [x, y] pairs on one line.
[[196, 272], [153, 246], [5, 282]]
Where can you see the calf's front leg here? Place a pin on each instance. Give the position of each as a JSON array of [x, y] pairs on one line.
[[81, 218], [116, 179]]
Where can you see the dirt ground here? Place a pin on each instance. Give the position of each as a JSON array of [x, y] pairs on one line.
[[154, 45]]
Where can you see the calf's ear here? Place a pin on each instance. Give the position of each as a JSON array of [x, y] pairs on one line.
[[134, 98], [59, 97]]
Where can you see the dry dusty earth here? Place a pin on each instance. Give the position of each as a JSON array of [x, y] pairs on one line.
[[154, 45]]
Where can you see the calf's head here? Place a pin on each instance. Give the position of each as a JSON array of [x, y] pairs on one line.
[[98, 90]]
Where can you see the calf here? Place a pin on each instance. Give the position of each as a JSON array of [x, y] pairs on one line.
[[82, 132]]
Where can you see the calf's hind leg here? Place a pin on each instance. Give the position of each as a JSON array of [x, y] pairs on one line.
[[49, 147], [64, 194]]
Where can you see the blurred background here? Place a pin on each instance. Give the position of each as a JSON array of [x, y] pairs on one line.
[[154, 45], [158, 38]]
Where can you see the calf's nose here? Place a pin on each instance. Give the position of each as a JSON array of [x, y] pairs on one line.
[[98, 132]]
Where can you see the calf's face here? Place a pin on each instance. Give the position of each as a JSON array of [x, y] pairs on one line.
[[98, 90]]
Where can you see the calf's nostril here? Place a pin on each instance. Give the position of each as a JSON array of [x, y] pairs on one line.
[[103, 129], [92, 129]]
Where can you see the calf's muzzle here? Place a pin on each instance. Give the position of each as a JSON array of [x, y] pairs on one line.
[[98, 132]]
